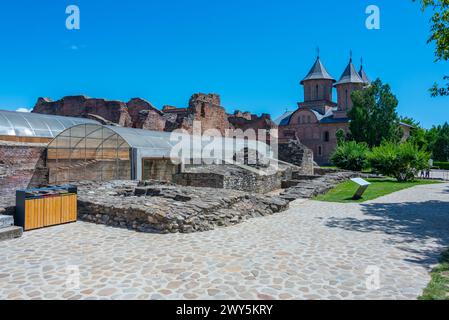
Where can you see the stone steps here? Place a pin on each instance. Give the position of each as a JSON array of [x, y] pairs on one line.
[[7, 229], [10, 233], [6, 221]]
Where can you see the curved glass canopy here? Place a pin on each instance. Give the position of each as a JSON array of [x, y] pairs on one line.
[[98, 152], [22, 124]]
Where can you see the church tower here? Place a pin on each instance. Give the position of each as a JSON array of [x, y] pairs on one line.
[[318, 85], [363, 75], [349, 82]]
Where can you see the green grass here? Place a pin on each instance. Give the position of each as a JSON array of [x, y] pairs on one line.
[[438, 288], [379, 187]]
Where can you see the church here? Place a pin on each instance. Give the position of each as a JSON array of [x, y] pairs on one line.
[[318, 118]]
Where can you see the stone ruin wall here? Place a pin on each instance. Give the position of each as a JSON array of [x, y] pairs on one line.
[[297, 154]]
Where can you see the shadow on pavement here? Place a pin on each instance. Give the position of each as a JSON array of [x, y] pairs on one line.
[[405, 223]]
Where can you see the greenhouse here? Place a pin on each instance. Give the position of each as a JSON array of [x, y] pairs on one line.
[[97, 152], [33, 127]]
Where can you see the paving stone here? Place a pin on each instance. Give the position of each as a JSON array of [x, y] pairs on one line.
[[314, 250]]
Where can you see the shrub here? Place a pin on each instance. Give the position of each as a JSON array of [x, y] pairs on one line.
[[350, 155], [441, 165], [401, 161]]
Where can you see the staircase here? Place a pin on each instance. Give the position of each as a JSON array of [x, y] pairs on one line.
[[7, 229], [306, 186]]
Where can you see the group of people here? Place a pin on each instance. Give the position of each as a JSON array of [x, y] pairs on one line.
[[425, 174]]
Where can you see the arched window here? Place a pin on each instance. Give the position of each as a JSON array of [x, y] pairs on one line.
[[316, 93], [320, 151], [326, 136]]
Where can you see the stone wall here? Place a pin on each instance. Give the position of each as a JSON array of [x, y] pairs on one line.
[[232, 177], [296, 153], [21, 166], [169, 209]]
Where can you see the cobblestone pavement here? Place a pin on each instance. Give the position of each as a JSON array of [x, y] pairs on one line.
[[314, 250]]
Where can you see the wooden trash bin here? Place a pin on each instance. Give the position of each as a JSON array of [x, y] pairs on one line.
[[46, 207]]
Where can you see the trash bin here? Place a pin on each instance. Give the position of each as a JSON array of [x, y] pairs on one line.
[[40, 208]]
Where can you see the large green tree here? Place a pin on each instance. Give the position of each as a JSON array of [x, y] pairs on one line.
[[439, 36], [373, 116], [439, 142]]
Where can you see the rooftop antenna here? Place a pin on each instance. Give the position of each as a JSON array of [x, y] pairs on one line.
[[361, 62], [318, 52], [350, 55]]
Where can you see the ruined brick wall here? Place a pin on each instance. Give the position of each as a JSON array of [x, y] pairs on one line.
[[137, 113], [81, 106], [247, 121], [145, 116], [141, 114], [207, 109], [21, 167]]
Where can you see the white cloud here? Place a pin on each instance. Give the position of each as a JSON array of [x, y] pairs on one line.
[[23, 110], [74, 47]]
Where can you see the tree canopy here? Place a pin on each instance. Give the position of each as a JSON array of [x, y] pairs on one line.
[[373, 116], [440, 37]]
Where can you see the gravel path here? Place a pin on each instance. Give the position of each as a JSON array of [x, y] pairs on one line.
[[381, 249]]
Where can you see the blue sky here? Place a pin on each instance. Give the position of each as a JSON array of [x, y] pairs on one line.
[[253, 53]]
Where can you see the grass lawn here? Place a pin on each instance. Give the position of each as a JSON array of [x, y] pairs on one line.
[[378, 188], [438, 288]]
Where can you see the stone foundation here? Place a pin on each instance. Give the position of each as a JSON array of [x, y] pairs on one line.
[[233, 178], [169, 209]]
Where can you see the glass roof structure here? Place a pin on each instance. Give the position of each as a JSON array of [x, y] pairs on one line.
[[93, 143], [22, 124]]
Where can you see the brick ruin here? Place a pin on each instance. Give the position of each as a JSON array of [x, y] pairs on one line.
[[21, 166], [141, 114]]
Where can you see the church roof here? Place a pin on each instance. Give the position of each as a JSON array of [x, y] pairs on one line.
[[318, 72], [363, 75], [350, 75], [284, 119]]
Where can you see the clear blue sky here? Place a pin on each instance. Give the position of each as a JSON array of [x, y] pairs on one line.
[[253, 53]]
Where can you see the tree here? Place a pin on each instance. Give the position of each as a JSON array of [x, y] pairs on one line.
[[400, 160], [440, 143], [440, 37], [373, 116]]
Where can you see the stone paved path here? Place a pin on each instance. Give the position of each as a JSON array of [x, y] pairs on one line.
[[315, 250]]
